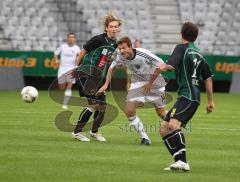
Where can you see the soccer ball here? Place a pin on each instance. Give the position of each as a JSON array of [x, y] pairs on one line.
[[29, 94]]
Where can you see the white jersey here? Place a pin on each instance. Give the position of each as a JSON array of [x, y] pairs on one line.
[[68, 57], [141, 67]]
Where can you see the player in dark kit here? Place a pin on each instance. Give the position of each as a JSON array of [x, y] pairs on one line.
[[190, 66], [93, 60]]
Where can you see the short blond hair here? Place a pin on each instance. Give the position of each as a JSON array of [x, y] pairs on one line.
[[108, 18]]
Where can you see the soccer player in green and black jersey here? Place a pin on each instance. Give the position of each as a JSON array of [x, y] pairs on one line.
[[93, 60], [190, 67]]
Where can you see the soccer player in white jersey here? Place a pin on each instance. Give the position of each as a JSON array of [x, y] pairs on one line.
[[68, 53], [141, 63]]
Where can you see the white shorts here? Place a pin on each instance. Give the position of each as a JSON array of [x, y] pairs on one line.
[[155, 96], [65, 77]]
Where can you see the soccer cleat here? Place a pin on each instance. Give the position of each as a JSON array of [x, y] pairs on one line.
[[97, 136], [145, 141], [80, 136], [178, 166], [64, 107]]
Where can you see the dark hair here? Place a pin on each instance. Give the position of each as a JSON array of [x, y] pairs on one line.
[[189, 31], [70, 33], [125, 39]]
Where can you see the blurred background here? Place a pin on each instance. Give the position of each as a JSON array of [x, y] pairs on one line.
[[31, 30]]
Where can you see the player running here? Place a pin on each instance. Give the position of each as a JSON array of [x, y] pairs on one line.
[[141, 64], [190, 66], [68, 52], [93, 58]]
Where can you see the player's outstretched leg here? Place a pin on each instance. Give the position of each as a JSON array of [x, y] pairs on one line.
[[82, 120], [130, 111], [98, 119], [138, 126], [67, 96], [174, 140]]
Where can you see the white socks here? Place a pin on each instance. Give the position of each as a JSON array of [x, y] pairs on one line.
[[67, 96], [138, 126]]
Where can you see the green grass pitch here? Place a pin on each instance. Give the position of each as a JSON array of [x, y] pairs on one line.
[[33, 149]]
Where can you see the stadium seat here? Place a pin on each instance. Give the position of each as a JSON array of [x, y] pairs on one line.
[[82, 5], [129, 6], [43, 34], [53, 32], [144, 24], [132, 15], [95, 31], [18, 11], [49, 21], [92, 23], [32, 33], [232, 50], [233, 38], [213, 16], [88, 13], [224, 26], [94, 4], [6, 11], [36, 21], [30, 12], [43, 12], [211, 26], [215, 7], [106, 4], [20, 33], [134, 34], [219, 49], [144, 15], [221, 38], [2, 21], [236, 26], [132, 24], [24, 21], [13, 21]]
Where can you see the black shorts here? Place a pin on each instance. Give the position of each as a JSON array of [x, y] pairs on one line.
[[88, 88], [183, 110]]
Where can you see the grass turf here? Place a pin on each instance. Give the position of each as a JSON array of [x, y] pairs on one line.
[[33, 149]]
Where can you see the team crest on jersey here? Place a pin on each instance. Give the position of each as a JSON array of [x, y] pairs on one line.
[[104, 51], [137, 66], [173, 112]]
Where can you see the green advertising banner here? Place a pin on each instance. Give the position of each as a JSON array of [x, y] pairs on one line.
[[36, 63], [33, 63], [222, 66]]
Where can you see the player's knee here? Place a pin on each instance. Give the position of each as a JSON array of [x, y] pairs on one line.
[[163, 131], [61, 86], [173, 125], [95, 107], [102, 107], [129, 112], [69, 86]]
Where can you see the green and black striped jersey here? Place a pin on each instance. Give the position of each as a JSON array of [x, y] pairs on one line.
[[99, 49], [190, 67]]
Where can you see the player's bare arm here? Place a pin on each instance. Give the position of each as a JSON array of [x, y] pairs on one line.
[[162, 68], [209, 90], [108, 80], [80, 57], [56, 58]]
